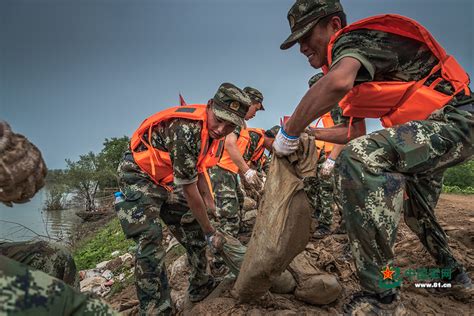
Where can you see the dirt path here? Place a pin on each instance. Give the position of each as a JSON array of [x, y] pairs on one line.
[[456, 216]]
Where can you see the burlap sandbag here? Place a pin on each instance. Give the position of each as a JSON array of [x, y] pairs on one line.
[[282, 228], [22, 168]]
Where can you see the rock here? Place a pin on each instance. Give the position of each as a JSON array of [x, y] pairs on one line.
[[127, 260], [114, 264], [249, 204], [107, 274], [121, 276], [92, 284], [115, 253], [85, 274], [250, 215], [102, 265], [319, 289], [284, 284]]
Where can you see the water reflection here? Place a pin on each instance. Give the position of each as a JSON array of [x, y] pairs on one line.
[[31, 215]]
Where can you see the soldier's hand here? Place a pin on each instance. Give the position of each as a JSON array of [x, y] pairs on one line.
[[215, 241], [251, 176], [327, 168], [285, 144]]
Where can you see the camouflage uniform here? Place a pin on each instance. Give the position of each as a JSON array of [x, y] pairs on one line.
[[51, 258], [321, 190], [25, 291], [146, 203], [228, 194], [400, 169]]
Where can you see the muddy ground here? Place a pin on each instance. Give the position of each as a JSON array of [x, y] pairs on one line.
[[456, 216]]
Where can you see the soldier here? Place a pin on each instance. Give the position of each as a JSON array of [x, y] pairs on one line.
[[24, 290], [162, 179], [389, 67], [325, 186]]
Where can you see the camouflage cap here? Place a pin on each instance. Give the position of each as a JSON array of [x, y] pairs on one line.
[[305, 14], [255, 95], [272, 132], [231, 104], [315, 79]]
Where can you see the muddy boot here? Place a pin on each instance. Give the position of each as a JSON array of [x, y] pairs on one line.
[[200, 293], [322, 231], [364, 303]]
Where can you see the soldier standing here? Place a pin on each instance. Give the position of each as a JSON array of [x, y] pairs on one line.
[[390, 67]]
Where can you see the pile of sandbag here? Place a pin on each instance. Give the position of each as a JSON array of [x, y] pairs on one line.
[[283, 223], [248, 215]]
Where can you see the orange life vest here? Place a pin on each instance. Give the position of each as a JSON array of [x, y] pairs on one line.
[[243, 143], [398, 102], [157, 163]]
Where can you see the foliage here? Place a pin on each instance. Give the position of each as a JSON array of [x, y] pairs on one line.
[[100, 247], [83, 178], [55, 190], [458, 190], [460, 179], [109, 159]]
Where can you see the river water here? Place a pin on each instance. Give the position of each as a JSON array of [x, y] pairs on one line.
[[56, 224]]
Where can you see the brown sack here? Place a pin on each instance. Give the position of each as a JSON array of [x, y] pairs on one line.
[[282, 228]]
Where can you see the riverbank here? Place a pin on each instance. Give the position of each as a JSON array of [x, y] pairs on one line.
[[455, 214]]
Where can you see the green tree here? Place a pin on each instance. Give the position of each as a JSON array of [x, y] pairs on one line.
[[461, 176], [109, 159], [55, 190], [82, 178]]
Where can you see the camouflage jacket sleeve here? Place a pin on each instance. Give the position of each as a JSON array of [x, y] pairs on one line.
[[384, 56], [182, 139], [254, 139]]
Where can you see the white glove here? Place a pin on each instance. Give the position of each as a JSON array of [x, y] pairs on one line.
[[327, 168], [251, 176], [285, 144]]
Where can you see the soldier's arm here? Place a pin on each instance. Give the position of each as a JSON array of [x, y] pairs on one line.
[[339, 134], [197, 206], [204, 190], [234, 153], [324, 95]]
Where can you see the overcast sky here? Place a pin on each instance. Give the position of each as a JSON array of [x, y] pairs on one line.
[[73, 72]]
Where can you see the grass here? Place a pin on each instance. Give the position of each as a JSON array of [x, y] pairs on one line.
[[458, 190], [100, 247]]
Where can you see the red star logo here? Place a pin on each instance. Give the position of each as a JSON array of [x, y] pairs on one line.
[[388, 273]]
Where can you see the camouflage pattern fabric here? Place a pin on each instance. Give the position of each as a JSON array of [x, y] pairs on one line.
[[26, 291], [228, 197], [145, 204], [254, 139], [399, 171], [51, 258], [390, 57], [182, 139], [319, 191]]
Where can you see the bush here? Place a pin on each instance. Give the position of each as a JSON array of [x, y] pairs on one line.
[[100, 247], [461, 176]]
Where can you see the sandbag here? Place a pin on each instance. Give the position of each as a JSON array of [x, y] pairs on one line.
[[282, 227]]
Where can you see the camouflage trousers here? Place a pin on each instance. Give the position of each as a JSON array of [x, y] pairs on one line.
[[399, 171], [228, 197], [26, 291], [320, 193], [146, 205], [51, 258]]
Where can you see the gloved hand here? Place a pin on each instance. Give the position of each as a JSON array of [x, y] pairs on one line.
[[251, 176], [327, 168], [215, 241], [285, 144]]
